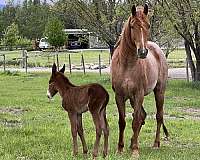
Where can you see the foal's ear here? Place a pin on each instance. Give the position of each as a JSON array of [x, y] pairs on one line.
[[133, 10], [63, 69], [54, 68], [146, 9]]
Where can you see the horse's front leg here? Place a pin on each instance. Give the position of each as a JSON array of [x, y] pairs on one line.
[[138, 120], [73, 121], [120, 101]]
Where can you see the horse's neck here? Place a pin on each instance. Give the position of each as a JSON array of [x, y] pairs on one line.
[[128, 52]]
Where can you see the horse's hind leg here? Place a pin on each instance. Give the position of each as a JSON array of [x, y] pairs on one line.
[[105, 128], [96, 119], [122, 123], [159, 98], [81, 133]]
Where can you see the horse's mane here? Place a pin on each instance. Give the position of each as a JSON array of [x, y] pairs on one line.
[[126, 34]]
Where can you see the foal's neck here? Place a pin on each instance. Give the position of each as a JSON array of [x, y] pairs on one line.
[[63, 86]]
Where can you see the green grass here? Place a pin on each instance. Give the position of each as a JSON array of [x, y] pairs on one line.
[[41, 130]]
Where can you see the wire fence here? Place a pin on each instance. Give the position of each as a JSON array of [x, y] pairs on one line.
[[83, 60]]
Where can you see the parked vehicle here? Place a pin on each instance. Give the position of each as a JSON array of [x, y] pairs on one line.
[[43, 44]]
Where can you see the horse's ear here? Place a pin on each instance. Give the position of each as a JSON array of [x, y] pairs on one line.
[[146, 9], [133, 10], [63, 69], [54, 68]]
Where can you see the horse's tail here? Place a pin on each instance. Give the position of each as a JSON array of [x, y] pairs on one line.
[[165, 131]]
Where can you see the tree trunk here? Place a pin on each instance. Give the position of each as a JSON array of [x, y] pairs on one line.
[[189, 59], [112, 48], [197, 76]]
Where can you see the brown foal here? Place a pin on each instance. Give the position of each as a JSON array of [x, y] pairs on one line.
[[77, 100], [138, 67]]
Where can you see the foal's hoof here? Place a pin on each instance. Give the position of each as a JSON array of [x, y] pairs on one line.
[[135, 154], [120, 150], [85, 151], [105, 154], [156, 145]]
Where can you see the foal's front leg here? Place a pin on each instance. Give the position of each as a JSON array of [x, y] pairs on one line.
[[73, 121], [81, 133]]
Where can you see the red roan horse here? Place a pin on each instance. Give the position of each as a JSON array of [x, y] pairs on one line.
[[77, 100], [138, 67]]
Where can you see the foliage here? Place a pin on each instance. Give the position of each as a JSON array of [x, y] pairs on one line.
[[32, 20], [54, 31], [184, 16], [7, 16], [11, 35], [23, 42]]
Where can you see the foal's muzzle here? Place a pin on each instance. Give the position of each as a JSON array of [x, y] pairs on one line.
[[142, 53]]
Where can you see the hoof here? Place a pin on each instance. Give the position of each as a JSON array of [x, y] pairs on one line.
[[156, 145], [166, 139], [120, 149], [135, 154], [105, 154], [85, 151]]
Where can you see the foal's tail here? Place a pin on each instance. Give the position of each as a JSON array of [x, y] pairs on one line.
[[105, 103], [165, 131]]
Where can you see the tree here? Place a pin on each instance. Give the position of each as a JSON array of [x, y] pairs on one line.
[[54, 31], [31, 20], [7, 16], [105, 18], [162, 31], [184, 15], [11, 36]]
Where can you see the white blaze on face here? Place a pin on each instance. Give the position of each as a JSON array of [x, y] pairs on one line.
[[49, 94], [142, 38]]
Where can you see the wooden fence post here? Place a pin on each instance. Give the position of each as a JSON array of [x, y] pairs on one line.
[[83, 63], [57, 60], [70, 65], [26, 61], [4, 62], [100, 64]]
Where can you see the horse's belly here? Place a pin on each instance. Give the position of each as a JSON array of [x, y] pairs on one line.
[[150, 87]]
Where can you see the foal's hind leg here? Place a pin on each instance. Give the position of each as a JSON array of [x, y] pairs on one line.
[[96, 119], [105, 128], [159, 98], [122, 123], [81, 133]]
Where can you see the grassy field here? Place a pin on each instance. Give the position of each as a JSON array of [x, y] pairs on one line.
[[31, 128], [44, 59]]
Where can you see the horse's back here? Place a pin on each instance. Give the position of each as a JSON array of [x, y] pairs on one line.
[[157, 54]]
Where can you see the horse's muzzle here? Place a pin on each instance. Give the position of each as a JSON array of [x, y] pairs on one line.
[[142, 53]]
